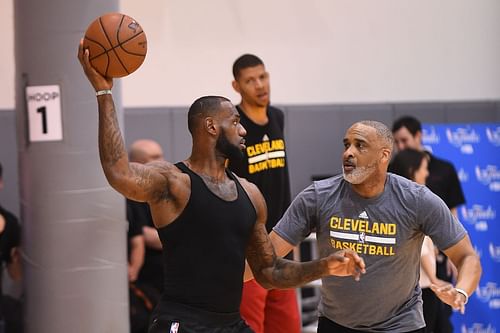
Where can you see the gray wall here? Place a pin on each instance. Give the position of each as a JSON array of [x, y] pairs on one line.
[[9, 196], [314, 134]]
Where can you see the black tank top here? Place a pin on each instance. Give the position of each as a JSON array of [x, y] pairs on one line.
[[204, 249]]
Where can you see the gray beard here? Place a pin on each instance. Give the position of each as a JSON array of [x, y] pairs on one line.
[[359, 175]]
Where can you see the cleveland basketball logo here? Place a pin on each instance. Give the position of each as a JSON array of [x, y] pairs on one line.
[[362, 235], [268, 154], [362, 238]]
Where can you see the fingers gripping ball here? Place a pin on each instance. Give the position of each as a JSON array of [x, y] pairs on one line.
[[117, 44]]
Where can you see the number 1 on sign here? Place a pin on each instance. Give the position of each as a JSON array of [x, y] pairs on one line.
[[43, 111]]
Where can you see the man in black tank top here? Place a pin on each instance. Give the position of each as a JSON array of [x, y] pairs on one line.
[[208, 219]]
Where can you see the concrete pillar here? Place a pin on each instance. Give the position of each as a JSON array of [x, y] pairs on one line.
[[74, 226]]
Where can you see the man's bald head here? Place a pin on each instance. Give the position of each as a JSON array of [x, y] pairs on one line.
[[145, 151]]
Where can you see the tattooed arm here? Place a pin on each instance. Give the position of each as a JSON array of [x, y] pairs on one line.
[[133, 180], [272, 271]]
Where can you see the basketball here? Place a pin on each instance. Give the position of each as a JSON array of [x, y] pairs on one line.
[[117, 44]]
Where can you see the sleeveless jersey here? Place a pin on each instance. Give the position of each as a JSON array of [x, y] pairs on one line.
[[204, 249]]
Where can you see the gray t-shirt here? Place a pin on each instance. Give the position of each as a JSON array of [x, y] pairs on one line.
[[387, 231]]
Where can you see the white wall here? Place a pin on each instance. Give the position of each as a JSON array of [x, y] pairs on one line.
[[318, 51], [7, 56]]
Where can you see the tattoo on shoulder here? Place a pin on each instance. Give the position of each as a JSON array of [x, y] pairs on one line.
[[143, 177]]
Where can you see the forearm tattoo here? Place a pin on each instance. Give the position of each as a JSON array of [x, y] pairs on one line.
[[278, 272], [291, 274], [111, 145]]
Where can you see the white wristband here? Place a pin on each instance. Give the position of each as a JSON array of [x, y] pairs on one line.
[[463, 292], [103, 92]]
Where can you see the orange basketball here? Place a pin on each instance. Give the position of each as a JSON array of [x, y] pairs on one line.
[[117, 44]]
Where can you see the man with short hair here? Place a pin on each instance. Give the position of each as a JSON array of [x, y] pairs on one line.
[[384, 218], [443, 179], [265, 164], [208, 219]]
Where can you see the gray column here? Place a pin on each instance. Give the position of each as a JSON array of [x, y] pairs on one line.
[[74, 226]]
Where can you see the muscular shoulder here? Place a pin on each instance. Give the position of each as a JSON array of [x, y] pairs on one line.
[[170, 180], [254, 194], [250, 188], [165, 168]]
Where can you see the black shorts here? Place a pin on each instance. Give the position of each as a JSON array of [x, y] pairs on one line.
[[170, 317], [164, 324]]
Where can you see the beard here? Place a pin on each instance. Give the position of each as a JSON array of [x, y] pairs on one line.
[[359, 174], [226, 148]]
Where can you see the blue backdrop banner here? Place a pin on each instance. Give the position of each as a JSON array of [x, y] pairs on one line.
[[474, 150]]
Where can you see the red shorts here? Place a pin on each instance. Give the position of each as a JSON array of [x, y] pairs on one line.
[[270, 311]]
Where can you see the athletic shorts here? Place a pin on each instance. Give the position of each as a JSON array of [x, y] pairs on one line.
[[169, 317], [164, 324]]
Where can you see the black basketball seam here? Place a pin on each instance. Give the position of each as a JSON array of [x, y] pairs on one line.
[[109, 40], [118, 40], [92, 40], [116, 46], [126, 51]]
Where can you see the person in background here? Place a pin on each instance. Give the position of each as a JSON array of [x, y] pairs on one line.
[[139, 311], [10, 258], [443, 181], [413, 164], [145, 151], [265, 164], [147, 274]]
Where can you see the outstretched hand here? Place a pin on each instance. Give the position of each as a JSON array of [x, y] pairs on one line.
[[449, 295], [346, 262], [98, 81]]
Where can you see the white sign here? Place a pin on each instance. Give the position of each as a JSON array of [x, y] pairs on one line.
[[44, 113]]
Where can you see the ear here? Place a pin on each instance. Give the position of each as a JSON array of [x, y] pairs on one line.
[[236, 86], [386, 155], [210, 125]]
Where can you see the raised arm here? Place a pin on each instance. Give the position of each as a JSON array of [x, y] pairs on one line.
[[133, 180], [272, 271]]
